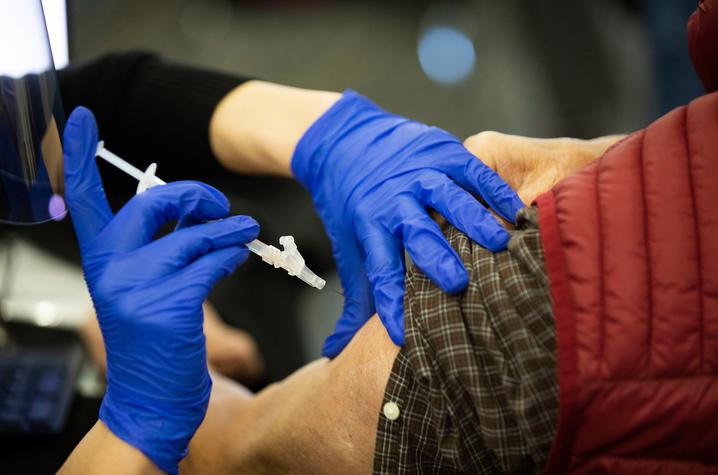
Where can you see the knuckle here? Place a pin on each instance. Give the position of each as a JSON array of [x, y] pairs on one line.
[[482, 140], [142, 200], [204, 245]]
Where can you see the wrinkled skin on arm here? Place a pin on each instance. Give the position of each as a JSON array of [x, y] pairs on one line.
[[532, 166]]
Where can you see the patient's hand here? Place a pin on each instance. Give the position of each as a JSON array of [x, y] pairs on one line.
[[532, 166]]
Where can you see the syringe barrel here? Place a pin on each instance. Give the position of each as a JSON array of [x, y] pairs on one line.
[[257, 247], [290, 259], [311, 278]]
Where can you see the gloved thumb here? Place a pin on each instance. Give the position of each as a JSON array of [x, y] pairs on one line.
[[84, 193], [352, 319], [358, 304]]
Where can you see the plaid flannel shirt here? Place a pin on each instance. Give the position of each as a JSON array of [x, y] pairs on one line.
[[475, 382]]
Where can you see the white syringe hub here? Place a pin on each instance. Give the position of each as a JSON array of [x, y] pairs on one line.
[[288, 259]]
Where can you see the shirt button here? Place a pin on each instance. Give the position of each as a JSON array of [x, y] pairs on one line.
[[391, 411]]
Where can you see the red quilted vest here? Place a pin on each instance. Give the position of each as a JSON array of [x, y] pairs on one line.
[[631, 248]]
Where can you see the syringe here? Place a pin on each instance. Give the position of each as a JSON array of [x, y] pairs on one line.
[[288, 258]]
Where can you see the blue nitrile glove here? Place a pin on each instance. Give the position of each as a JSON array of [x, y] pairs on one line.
[[372, 175], [148, 295]]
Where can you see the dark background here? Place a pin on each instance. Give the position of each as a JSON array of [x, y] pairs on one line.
[[543, 68]]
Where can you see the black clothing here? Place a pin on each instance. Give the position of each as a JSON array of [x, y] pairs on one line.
[[149, 110]]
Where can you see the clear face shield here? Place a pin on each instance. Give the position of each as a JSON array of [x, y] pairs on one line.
[[31, 118]]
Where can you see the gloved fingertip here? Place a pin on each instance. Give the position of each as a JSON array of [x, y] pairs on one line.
[[349, 323], [220, 198], [456, 278], [250, 225], [516, 205], [79, 137], [334, 345], [79, 116], [224, 262], [395, 327], [393, 321], [498, 240], [397, 337], [246, 228], [242, 255]]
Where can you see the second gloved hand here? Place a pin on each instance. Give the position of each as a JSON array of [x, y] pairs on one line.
[[148, 295], [372, 175]]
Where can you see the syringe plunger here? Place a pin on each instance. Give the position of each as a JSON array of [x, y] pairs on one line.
[[289, 258]]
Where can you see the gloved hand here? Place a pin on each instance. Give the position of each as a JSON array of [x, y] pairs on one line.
[[372, 175], [148, 295]]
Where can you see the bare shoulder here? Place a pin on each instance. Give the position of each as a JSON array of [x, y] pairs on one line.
[[321, 419], [366, 363]]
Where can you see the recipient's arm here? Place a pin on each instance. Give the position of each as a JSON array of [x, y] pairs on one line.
[[101, 452], [322, 419]]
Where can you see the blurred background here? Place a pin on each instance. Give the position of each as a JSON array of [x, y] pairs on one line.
[[530, 67]]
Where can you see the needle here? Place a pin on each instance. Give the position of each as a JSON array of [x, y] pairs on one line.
[[337, 292]]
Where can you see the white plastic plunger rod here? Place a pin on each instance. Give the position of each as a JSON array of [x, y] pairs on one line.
[[134, 172], [288, 258]]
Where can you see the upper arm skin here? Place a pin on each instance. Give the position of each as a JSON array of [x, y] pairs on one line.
[[321, 419]]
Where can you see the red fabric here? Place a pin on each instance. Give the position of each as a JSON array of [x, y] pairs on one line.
[[631, 248], [566, 345], [702, 42]]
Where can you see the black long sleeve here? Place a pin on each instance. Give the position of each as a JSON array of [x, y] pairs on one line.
[[150, 110]]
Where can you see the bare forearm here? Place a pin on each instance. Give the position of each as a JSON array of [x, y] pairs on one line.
[[255, 128], [101, 452]]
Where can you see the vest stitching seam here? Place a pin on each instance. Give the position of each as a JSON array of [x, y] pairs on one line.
[[650, 459], [649, 273], [701, 319], [647, 379], [602, 319]]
